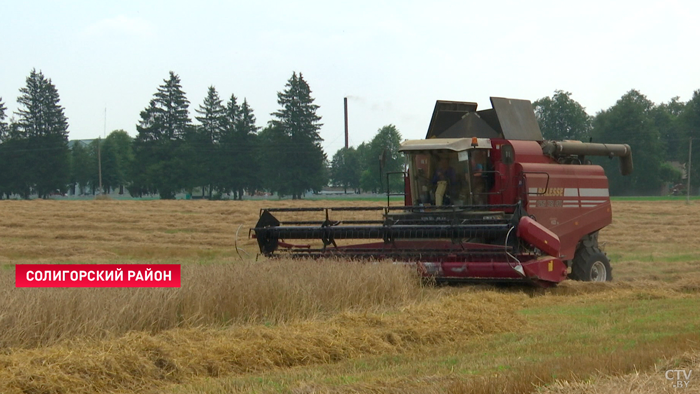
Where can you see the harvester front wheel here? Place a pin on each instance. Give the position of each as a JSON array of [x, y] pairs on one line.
[[591, 265]]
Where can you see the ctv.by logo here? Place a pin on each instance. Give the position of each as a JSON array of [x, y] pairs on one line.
[[680, 377]]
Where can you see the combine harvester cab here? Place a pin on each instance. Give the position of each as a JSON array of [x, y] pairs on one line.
[[486, 199]]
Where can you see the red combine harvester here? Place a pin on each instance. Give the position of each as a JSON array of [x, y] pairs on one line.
[[486, 199]]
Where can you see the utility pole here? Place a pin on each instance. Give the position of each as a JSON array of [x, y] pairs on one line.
[[99, 149], [99, 163], [690, 157], [345, 106]]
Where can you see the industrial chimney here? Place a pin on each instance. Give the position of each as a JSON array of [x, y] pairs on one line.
[[345, 102]]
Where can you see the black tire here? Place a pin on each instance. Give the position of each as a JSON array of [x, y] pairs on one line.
[[591, 265]]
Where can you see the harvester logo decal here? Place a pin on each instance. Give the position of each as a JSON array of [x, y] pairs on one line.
[[573, 197], [552, 191]]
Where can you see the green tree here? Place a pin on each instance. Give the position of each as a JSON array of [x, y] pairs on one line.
[[92, 149], [245, 140], [631, 121], [672, 132], [212, 121], [273, 146], [228, 172], [121, 144], [690, 121], [159, 151], [345, 169], [380, 157], [15, 159], [562, 118], [81, 167], [363, 156], [240, 163], [304, 167], [43, 126], [107, 153]]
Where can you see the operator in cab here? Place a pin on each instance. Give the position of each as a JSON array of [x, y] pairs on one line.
[[478, 177], [443, 178]]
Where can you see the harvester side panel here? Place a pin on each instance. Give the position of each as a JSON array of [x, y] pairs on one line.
[[572, 201]]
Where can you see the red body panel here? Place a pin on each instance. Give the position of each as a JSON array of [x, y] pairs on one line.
[[546, 268], [570, 200], [538, 236]]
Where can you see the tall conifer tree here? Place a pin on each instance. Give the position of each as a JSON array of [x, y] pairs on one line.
[[246, 137], [41, 134], [212, 121], [159, 153], [298, 122]]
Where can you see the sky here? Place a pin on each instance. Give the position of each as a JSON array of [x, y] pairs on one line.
[[392, 59]]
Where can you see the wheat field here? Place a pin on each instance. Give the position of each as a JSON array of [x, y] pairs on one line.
[[246, 324]]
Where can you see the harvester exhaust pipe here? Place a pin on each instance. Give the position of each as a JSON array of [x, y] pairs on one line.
[[623, 151]]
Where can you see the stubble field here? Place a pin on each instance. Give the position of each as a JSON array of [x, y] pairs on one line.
[[244, 325]]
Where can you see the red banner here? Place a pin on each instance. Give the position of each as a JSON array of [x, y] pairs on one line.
[[97, 275]]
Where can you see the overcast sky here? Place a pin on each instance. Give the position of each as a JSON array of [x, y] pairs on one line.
[[391, 59]]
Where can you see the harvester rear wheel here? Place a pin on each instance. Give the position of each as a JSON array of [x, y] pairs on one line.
[[591, 265]]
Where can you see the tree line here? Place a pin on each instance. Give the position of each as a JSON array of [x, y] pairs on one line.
[[659, 135], [223, 152]]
